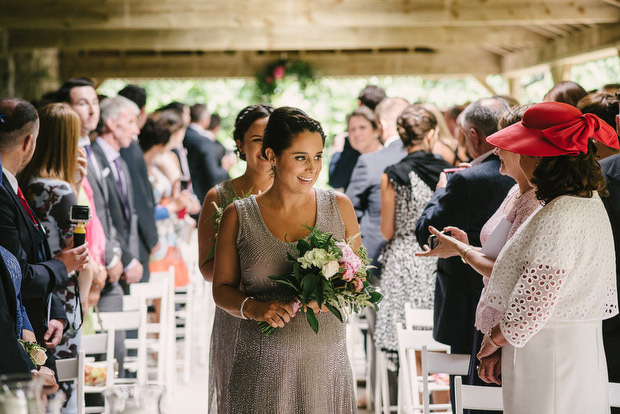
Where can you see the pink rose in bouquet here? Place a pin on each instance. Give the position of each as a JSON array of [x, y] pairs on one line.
[[349, 260], [358, 285]]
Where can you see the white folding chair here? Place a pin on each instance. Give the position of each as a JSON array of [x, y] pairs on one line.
[[440, 363], [410, 341], [161, 286], [102, 343], [614, 394], [476, 397], [72, 369], [418, 318], [130, 320]]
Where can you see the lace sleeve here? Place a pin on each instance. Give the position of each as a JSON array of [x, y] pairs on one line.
[[531, 302]]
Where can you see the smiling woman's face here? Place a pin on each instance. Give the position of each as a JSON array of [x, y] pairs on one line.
[[299, 166]]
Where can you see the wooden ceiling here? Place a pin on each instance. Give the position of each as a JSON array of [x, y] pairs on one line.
[[213, 38]]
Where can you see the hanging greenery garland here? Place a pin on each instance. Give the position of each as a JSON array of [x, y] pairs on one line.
[[268, 80]]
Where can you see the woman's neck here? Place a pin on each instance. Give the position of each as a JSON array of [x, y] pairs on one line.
[[254, 182], [416, 147], [285, 200], [524, 185], [149, 157]]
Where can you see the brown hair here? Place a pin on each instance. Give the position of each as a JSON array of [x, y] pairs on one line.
[[512, 115], [414, 123], [578, 175], [602, 104], [567, 92], [55, 155]]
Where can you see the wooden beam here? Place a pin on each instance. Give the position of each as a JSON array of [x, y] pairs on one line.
[[195, 14], [247, 64], [276, 38], [514, 87], [560, 73], [595, 43], [483, 81]]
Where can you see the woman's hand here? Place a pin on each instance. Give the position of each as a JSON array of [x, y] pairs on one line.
[[457, 234], [276, 313], [82, 166], [489, 347], [491, 367], [315, 307], [28, 336], [447, 247]]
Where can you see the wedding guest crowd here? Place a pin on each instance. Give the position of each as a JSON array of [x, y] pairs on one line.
[[522, 202]]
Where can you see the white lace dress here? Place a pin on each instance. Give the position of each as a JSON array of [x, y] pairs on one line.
[[555, 282]]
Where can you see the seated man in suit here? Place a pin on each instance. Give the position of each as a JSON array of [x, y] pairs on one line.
[[21, 232], [467, 201]]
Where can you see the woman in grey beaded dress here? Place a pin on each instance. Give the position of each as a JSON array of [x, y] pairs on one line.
[[248, 134], [294, 370]]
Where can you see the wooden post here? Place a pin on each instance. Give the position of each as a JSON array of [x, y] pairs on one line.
[[560, 72], [482, 79], [514, 86], [7, 67]]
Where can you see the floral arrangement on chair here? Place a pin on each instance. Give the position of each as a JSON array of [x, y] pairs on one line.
[[268, 80]]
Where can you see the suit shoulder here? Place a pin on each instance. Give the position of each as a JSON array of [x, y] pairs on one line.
[[610, 167]]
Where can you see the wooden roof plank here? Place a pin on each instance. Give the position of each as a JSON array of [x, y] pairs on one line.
[[161, 14], [247, 64], [273, 39], [597, 42]]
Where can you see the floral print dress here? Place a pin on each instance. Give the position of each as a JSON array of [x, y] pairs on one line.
[[51, 201]]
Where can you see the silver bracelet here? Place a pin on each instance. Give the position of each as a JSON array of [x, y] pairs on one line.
[[242, 305]]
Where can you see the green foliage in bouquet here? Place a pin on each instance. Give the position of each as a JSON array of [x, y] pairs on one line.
[[329, 272]]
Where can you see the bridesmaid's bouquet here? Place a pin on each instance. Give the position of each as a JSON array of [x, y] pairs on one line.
[[332, 274]]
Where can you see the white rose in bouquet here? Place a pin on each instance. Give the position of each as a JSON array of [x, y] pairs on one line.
[[330, 268]]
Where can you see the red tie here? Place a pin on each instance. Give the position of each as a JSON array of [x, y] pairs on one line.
[[22, 199]]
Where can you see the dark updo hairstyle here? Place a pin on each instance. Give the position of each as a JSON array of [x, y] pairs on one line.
[[154, 132], [413, 123], [286, 123], [244, 121], [365, 112], [578, 175], [567, 92], [171, 118]]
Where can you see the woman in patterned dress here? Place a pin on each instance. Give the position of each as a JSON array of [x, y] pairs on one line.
[[293, 370], [406, 187], [249, 127], [51, 181]]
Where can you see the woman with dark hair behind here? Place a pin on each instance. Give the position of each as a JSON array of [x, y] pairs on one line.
[[554, 281], [606, 106], [257, 178], [568, 92], [293, 370], [406, 187]]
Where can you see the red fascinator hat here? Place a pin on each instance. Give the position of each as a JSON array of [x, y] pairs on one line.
[[554, 128]]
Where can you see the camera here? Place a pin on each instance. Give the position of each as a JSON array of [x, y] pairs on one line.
[[79, 214], [433, 241], [185, 183]]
